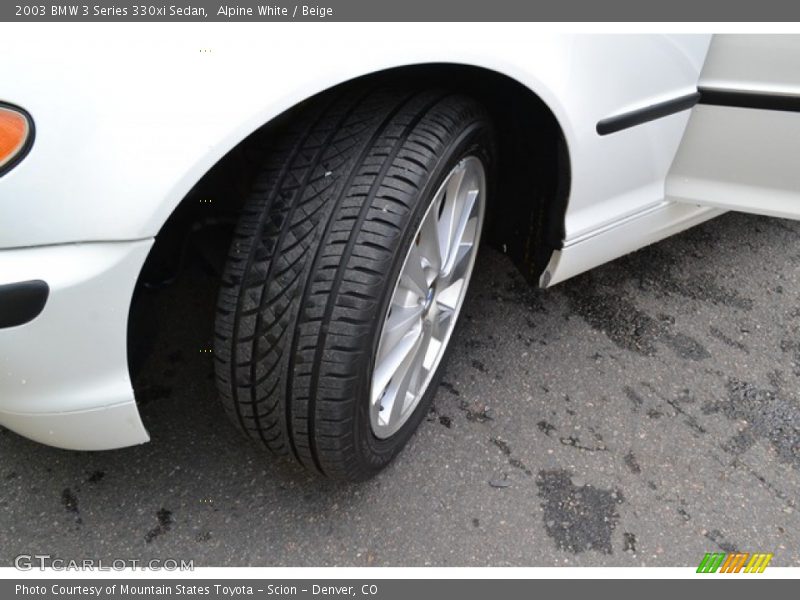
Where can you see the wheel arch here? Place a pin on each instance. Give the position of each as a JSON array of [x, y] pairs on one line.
[[531, 139], [525, 219]]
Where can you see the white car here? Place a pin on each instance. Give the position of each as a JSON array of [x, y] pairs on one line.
[[375, 158]]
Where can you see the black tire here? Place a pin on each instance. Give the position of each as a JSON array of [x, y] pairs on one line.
[[313, 262]]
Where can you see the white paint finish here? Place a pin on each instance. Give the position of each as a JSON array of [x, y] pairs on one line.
[[744, 159], [616, 175], [73, 356], [740, 159], [104, 428], [647, 227], [130, 116], [755, 63], [636, 176]]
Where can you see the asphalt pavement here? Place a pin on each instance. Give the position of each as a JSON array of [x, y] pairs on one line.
[[641, 414]]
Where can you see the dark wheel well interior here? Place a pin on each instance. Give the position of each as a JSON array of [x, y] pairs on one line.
[[526, 212]]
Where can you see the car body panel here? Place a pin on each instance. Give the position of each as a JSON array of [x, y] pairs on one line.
[[64, 376], [753, 63], [137, 123], [622, 237], [128, 119], [744, 158], [740, 159]]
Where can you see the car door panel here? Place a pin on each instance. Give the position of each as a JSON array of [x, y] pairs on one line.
[[741, 149]]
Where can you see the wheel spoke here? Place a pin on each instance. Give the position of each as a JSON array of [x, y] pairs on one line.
[[448, 218], [455, 182], [465, 217], [394, 360], [413, 276], [430, 244], [461, 263], [442, 321], [400, 322], [410, 377]]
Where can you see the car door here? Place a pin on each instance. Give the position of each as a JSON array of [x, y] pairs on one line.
[[741, 149]]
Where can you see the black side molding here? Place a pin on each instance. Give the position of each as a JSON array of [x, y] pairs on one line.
[[758, 100], [22, 302], [647, 114]]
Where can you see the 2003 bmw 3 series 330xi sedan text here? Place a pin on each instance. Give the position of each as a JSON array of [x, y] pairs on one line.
[[358, 188]]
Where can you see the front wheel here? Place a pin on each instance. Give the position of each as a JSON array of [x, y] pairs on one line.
[[347, 273]]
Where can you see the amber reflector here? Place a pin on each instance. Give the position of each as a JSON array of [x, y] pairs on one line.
[[14, 131]]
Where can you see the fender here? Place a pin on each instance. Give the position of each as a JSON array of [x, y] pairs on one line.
[[129, 119]]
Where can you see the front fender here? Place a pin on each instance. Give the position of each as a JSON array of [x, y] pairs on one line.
[[129, 118]]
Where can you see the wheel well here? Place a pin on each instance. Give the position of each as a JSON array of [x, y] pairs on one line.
[[526, 211]]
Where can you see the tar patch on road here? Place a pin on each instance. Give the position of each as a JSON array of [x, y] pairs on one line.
[[578, 518], [164, 517], [629, 542], [96, 477], [70, 502], [630, 328], [632, 463], [716, 536], [768, 416]]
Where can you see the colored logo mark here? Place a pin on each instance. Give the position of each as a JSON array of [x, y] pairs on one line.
[[734, 562]]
